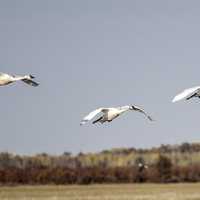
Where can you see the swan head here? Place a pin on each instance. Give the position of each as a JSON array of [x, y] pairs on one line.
[[132, 107], [29, 77]]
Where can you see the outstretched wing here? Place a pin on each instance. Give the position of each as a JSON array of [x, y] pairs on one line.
[[91, 115], [30, 82], [186, 94], [142, 111]]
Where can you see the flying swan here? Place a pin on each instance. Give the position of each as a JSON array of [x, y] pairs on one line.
[[6, 79], [111, 113], [188, 94]]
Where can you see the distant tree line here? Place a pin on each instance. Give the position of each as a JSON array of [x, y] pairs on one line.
[[165, 164]]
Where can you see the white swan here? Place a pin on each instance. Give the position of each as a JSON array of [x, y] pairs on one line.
[[111, 113], [6, 79], [188, 94]]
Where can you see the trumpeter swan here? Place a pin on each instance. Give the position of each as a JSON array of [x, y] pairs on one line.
[[188, 94], [6, 79], [111, 113]]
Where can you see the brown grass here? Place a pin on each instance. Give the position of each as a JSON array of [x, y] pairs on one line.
[[103, 192]]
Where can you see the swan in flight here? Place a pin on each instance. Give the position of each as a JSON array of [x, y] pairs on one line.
[[188, 94], [142, 166], [111, 113], [6, 79]]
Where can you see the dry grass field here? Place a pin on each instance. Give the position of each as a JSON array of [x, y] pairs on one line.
[[103, 192]]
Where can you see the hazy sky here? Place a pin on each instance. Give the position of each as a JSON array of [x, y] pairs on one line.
[[98, 53]]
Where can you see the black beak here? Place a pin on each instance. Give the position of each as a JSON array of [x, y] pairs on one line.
[[32, 76], [133, 107]]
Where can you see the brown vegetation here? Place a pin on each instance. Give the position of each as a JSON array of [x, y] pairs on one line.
[[165, 164]]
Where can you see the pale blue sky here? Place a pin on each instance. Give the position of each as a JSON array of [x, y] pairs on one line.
[[93, 53]]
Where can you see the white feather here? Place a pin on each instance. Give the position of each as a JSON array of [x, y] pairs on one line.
[[91, 115], [186, 93]]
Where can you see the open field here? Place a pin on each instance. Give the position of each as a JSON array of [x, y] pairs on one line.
[[103, 192]]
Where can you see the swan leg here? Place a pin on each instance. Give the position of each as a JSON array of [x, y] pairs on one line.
[[94, 122]]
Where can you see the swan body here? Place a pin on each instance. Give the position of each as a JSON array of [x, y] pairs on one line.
[[110, 114], [187, 94], [6, 79]]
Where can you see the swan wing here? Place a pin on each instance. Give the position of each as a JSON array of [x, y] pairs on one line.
[[92, 115], [5, 76], [186, 94]]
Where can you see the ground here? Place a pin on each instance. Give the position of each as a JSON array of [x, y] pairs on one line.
[[103, 192]]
